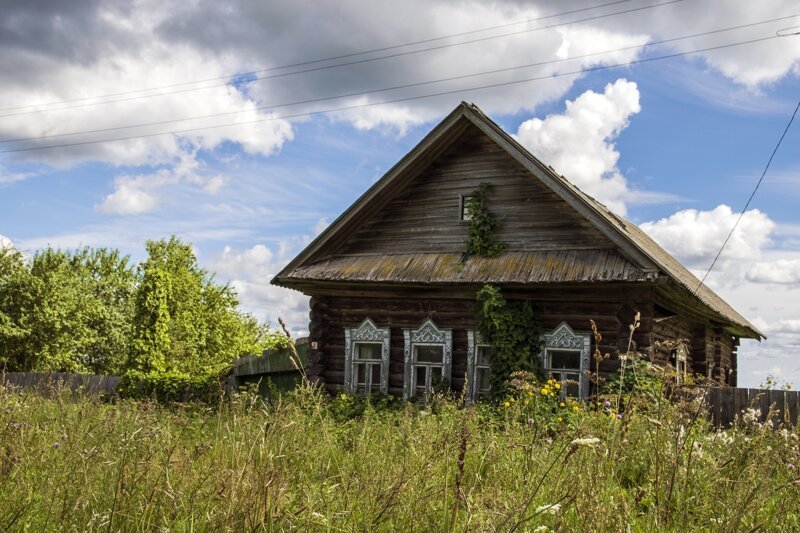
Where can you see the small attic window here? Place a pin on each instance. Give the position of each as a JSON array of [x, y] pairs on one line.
[[463, 211]]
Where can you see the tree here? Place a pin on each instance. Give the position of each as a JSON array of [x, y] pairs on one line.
[[65, 311], [184, 322]]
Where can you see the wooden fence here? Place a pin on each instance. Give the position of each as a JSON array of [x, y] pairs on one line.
[[725, 404], [273, 369], [47, 382]]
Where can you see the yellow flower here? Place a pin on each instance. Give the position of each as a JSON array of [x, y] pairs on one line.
[[575, 408], [507, 404], [530, 394], [511, 399], [562, 404], [559, 419], [558, 385], [552, 394], [527, 387], [544, 391]]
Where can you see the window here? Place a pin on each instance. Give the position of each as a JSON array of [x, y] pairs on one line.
[[565, 357], [680, 363], [366, 359], [463, 211], [428, 352], [479, 366]]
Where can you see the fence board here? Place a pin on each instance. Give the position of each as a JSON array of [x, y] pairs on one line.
[[725, 404], [47, 382]]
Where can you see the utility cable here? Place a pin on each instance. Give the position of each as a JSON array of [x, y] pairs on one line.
[[392, 88], [752, 194], [337, 65], [397, 100]]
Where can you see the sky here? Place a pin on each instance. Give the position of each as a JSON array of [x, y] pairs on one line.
[[246, 127]]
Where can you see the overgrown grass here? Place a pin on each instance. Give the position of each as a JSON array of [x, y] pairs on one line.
[[311, 463]]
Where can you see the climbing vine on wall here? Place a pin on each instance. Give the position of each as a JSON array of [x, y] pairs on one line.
[[513, 331], [482, 224]]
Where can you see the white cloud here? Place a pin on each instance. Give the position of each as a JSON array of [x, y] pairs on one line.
[[694, 237], [127, 199], [136, 194], [249, 272], [782, 272], [580, 142]]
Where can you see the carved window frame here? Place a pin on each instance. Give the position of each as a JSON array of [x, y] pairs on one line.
[[427, 334], [366, 333], [474, 343], [563, 338]]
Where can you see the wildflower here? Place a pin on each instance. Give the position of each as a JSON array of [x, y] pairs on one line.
[[558, 385], [790, 466], [544, 391], [589, 442], [541, 529], [549, 441], [549, 509], [619, 416], [56, 444], [531, 421], [607, 403], [507, 404], [527, 386], [562, 404], [575, 408]]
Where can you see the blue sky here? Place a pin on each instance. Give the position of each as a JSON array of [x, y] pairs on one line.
[[675, 145]]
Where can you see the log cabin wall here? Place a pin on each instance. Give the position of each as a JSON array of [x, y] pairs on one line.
[[331, 314], [670, 329]]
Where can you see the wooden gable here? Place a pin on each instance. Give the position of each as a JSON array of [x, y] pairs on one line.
[[426, 216]]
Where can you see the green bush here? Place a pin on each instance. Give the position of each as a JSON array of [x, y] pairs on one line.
[[171, 387]]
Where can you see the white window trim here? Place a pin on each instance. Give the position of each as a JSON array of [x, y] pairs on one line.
[[564, 338], [681, 361], [368, 333], [474, 341], [428, 334]]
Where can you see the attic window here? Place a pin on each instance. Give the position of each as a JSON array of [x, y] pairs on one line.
[[463, 211]]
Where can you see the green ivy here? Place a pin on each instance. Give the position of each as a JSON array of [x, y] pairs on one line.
[[482, 225], [513, 331]]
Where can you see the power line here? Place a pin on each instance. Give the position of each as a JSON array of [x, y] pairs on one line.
[[752, 194], [331, 58], [397, 100], [396, 87], [337, 65]]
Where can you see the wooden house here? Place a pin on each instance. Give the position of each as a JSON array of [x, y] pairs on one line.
[[392, 308]]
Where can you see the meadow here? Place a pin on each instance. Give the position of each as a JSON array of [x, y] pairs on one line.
[[309, 462]]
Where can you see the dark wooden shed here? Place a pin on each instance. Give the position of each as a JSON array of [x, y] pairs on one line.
[[392, 309]]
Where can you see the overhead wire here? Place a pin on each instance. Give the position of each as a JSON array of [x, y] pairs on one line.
[[396, 87], [397, 100], [750, 199], [337, 65]]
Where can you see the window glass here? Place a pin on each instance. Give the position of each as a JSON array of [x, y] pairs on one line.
[[421, 376], [429, 354], [564, 359], [482, 380], [376, 374], [484, 355], [368, 350]]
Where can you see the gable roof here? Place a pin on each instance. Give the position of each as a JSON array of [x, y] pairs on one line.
[[637, 257]]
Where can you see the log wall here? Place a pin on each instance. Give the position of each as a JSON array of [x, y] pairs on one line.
[[331, 314]]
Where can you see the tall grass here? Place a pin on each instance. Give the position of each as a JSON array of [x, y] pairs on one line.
[[300, 463]]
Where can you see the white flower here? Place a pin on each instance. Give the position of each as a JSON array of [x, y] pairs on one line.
[[589, 442], [542, 529], [549, 509]]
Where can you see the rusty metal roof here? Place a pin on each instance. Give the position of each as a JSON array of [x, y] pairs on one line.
[[548, 266]]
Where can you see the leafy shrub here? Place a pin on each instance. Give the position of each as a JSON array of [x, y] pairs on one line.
[[171, 387]]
